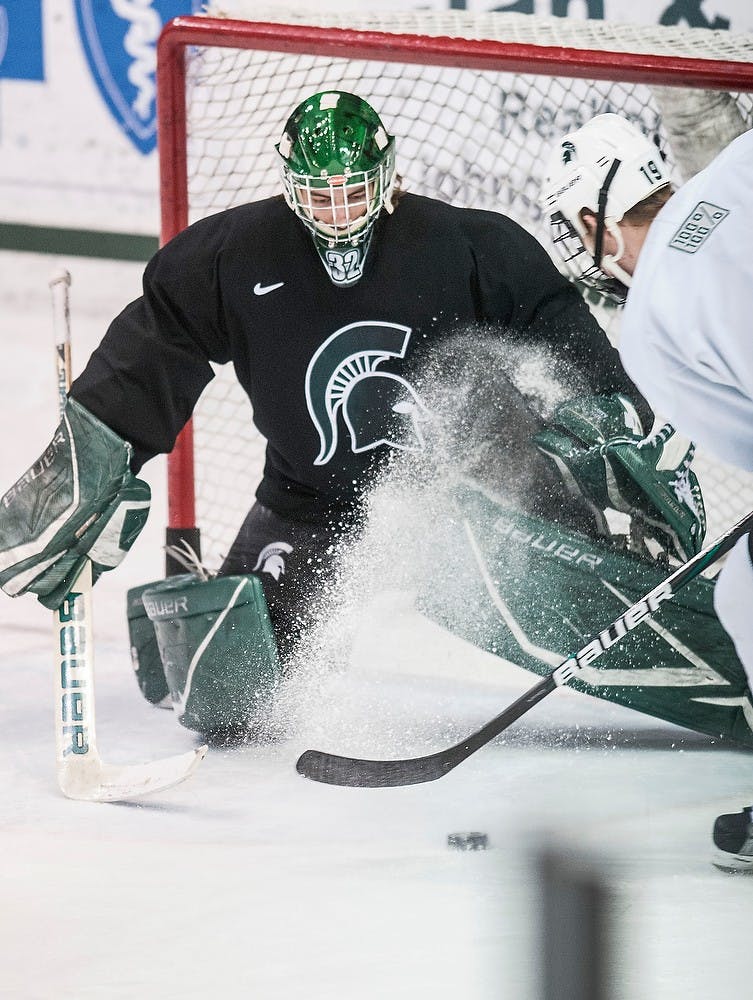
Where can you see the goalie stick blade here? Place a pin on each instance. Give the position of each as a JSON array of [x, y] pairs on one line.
[[90, 780]]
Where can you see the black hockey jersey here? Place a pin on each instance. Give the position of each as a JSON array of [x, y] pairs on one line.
[[327, 368]]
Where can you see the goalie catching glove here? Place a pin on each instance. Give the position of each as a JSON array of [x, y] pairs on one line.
[[78, 501], [599, 447]]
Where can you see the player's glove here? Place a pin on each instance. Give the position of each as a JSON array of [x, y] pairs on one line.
[[602, 453], [78, 502]]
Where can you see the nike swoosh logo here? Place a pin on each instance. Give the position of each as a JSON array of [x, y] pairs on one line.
[[260, 289]]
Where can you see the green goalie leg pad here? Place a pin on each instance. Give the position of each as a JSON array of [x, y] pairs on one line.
[[534, 593], [145, 655], [218, 651]]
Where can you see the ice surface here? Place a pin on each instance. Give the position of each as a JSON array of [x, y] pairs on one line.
[[249, 881]]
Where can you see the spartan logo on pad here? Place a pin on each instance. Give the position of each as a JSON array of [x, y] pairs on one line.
[[377, 407]]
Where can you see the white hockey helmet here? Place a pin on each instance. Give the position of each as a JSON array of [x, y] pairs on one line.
[[607, 166]]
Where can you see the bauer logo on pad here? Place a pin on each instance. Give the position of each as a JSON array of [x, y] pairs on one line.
[[698, 226], [120, 41]]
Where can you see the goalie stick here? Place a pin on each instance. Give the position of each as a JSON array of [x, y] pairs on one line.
[[81, 774], [356, 772]]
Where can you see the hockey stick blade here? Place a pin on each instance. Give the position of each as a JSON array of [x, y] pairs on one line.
[[93, 781], [330, 769], [356, 772]]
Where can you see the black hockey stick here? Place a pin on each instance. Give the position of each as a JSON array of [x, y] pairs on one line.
[[334, 770]]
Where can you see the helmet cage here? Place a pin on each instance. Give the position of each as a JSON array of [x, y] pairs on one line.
[[355, 200], [579, 264]]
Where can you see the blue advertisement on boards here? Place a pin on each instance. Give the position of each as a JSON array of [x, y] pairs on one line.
[[120, 42], [21, 49]]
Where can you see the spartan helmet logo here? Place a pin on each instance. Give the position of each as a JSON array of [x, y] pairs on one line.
[[568, 151], [378, 407], [272, 559]]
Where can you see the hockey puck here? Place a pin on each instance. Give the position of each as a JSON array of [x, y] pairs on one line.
[[468, 841]]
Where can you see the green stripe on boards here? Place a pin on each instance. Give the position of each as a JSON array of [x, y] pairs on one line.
[[77, 242]]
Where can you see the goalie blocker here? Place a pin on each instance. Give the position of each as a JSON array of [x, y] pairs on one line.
[[207, 647]]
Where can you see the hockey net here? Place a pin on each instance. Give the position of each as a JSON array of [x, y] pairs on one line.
[[475, 102]]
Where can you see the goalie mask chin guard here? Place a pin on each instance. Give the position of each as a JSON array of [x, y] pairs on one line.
[[606, 168], [338, 173]]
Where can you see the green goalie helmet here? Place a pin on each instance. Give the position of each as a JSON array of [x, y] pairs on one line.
[[338, 172]]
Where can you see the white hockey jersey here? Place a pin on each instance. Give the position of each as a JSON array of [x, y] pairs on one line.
[[687, 330]]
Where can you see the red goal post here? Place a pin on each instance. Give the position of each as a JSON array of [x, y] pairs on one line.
[[470, 98]]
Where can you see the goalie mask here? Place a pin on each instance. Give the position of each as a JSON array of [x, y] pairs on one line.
[[338, 172], [608, 166]]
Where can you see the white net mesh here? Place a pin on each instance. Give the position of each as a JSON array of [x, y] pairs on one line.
[[522, 29], [474, 138]]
